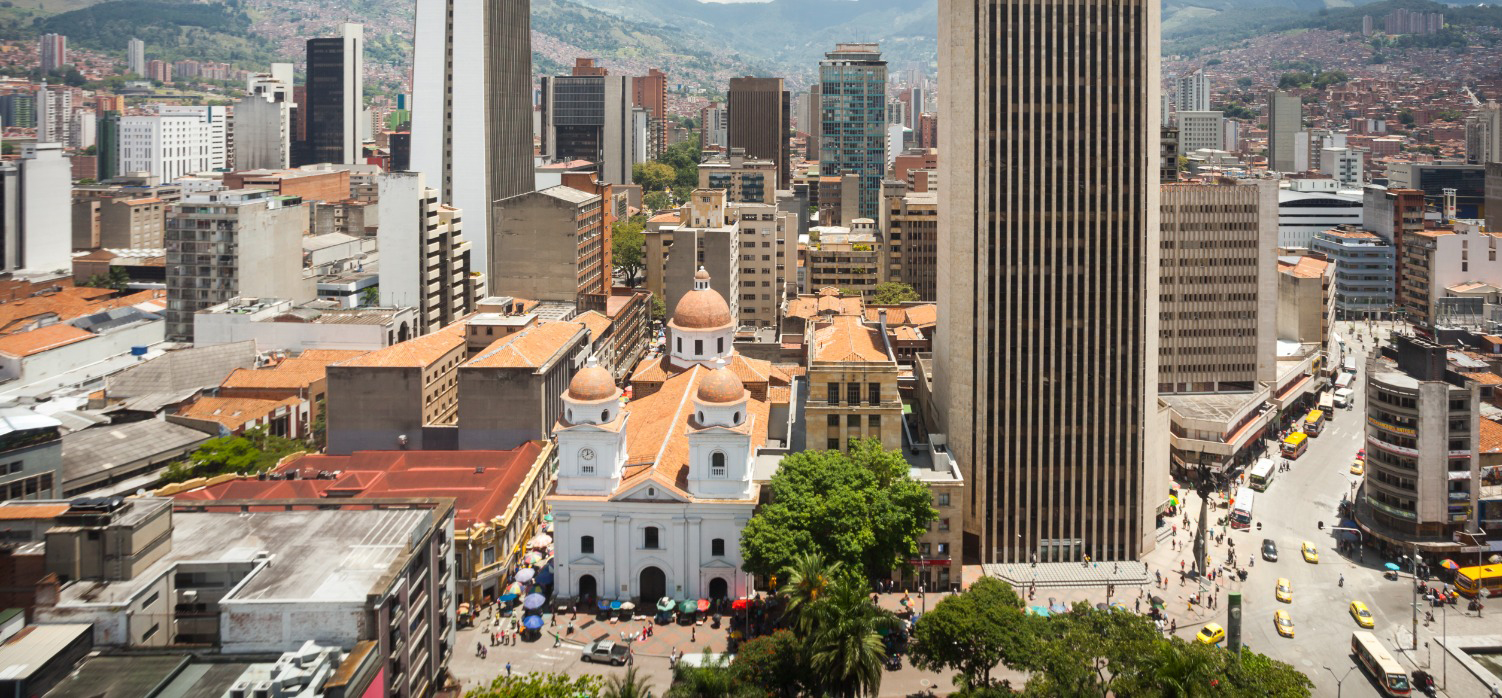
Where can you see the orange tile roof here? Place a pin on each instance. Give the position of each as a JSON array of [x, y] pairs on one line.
[[413, 353], [665, 218], [596, 321], [532, 347], [1484, 377], [1490, 437], [750, 371], [22, 512], [329, 356], [1305, 268], [233, 412], [846, 339], [290, 374], [921, 315], [42, 339], [807, 306], [67, 303]]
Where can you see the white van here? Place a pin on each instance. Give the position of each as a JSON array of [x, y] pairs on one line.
[[1344, 397]]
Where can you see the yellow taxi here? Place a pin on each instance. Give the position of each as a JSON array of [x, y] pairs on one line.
[[1361, 614], [1358, 466], [1284, 591], [1283, 623], [1311, 553], [1211, 634]]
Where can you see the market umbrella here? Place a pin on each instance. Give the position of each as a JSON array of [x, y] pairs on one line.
[[545, 575], [665, 604], [541, 540], [686, 607], [628, 606], [534, 601], [1449, 564], [1157, 602], [547, 517], [1038, 611], [506, 597], [603, 605], [1391, 566], [1058, 608], [1101, 606], [533, 622], [525, 575], [739, 605], [703, 605], [532, 558], [1119, 605], [615, 605]]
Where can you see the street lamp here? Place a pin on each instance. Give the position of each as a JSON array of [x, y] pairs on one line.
[[1339, 679]]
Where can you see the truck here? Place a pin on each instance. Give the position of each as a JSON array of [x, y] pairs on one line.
[[1344, 397]]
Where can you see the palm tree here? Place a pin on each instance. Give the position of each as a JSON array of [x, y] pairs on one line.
[[628, 686], [809, 578], [1182, 671], [845, 648]]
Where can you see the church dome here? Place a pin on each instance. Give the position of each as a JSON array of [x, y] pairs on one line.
[[721, 386], [591, 384], [702, 308]]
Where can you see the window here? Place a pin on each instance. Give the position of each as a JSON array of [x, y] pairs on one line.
[[680, 345], [487, 556], [150, 631], [698, 347], [944, 549], [833, 444], [650, 538], [943, 524], [587, 545], [874, 421], [834, 420], [852, 420], [853, 393], [925, 549], [874, 389], [717, 464], [719, 344], [834, 393], [943, 499], [717, 547], [604, 415]]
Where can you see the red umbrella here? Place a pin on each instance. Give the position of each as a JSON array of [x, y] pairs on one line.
[[739, 605], [703, 605]]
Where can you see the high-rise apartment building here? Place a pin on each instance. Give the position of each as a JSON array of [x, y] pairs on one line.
[[590, 117], [714, 127], [1201, 130], [53, 51], [814, 126], [430, 264], [1285, 118], [54, 106], [911, 223], [1194, 92], [650, 92], [557, 246], [34, 211], [853, 90], [232, 242], [472, 107], [174, 142], [768, 262], [704, 233], [263, 121], [745, 180], [760, 115], [135, 57], [1053, 432], [1483, 134], [107, 146], [336, 97]]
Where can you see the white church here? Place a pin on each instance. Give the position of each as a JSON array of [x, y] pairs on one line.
[[652, 495]]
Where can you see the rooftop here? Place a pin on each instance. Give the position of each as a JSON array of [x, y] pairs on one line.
[[234, 412], [1212, 407], [66, 303], [846, 339], [36, 645], [177, 374], [1304, 267], [103, 448], [569, 194], [413, 353], [533, 347], [289, 374]]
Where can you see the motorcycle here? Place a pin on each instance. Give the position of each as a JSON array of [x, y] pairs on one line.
[[1424, 681]]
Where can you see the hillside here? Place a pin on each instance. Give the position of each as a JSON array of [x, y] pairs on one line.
[[210, 32], [1191, 26]]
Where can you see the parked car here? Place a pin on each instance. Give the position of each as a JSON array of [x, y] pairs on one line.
[[606, 652], [1269, 550]]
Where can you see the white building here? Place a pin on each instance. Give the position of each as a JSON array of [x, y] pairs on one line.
[[1201, 130], [54, 107], [263, 121], [652, 495], [1308, 206], [1309, 147], [174, 142], [281, 325], [81, 128], [716, 126], [1231, 135], [1345, 165], [35, 213], [1194, 92], [427, 261], [135, 57]]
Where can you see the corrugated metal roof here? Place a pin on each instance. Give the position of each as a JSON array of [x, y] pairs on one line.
[[36, 646]]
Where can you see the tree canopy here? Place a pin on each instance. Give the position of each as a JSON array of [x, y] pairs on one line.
[[657, 200], [893, 292], [652, 176], [860, 509], [628, 249], [254, 452], [539, 685]]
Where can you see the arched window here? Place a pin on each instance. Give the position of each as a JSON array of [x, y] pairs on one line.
[[604, 415], [571, 415], [587, 545], [649, 538], [701, 416], [717, 464], [717, 547], [736, 419]]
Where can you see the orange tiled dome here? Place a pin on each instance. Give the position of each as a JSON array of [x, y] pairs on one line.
[[590, 384], [721, 386], [701, 309]]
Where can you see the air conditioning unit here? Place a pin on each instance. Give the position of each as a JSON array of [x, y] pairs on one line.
[[262, 690], [239, 690]]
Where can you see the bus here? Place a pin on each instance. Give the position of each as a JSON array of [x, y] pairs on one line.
[[1481, 580], [1241, 508], [1262, 474], [1314, 422], [1374, 657], [1295, 445]]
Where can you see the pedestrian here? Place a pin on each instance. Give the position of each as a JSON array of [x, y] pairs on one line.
[[1173, 625], [693, 634], [1181, 565], [508, 668], [1139, 605]]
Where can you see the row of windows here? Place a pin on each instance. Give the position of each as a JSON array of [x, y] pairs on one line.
[[854, 420], [651, 540]]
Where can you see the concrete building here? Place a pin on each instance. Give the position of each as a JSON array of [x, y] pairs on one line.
[[526, 370], [1493, 203], [1309, 146], [1306, 301], [236, 242], [745, 180], [276, 324], [997, 368], [911, 225], [705, 233], [847, 258], [1193, 94], [472, 68], [148, 573], [392, 399], [176, 141], [590, 118], [557, 244], [263, 122], [335, 102], [1423, 430], [1201, 130], [1393, 214], [760, 115], [32, 449], [768, 247], [1468, 181], [428, 260], [853, 90], [52, 51], [714, 129], [135, 57], [1364, 272], [852, 382], [1483, 134], [1308, 206], [1285, 118], [649, 92], [1434, 260], [34, 211], [1345, 165]]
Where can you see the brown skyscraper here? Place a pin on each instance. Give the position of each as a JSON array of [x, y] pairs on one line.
[[650, 92], [760, 114], [1046, 355]]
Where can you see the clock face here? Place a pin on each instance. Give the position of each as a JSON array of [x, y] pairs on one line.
[[587, 454]]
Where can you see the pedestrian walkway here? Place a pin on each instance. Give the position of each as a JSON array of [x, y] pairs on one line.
[[1070, 574]]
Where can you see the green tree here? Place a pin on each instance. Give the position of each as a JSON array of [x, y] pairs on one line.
[[628, 249], [371, 295], [659, 308], [657, 200], [630, 685], [809, 579], [892, 293], [539, 685], [1406, 117], [1295, 79], [989, 617], [1331, 77], [859, 509], [652, 176], [711, 679], [773, 662], [1243, 82], [845, 649], [255, 451]]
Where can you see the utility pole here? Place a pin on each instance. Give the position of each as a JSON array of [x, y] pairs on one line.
[[1415, 597]]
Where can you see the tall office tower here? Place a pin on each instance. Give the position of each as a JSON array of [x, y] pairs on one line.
[[590, 117], [53, 50], [54, 105], [650, 92], [853, 80], [135, 56], [1194, 92], [18, 109], [1483, 134], [1049, 200], [760, 118], [430, 262], [107, 145], [336, 97], [474, 145], [916, 107], [35, 212], [1285, 118], [814, 127], [714, 127], [263, 121]]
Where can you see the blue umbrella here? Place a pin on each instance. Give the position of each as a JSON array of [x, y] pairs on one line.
[[603, 605], [1038, 611], [533, 622], [508, 597], [1392, 566], [615, 605], [545, 576], [534, 601], [525, 575]]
